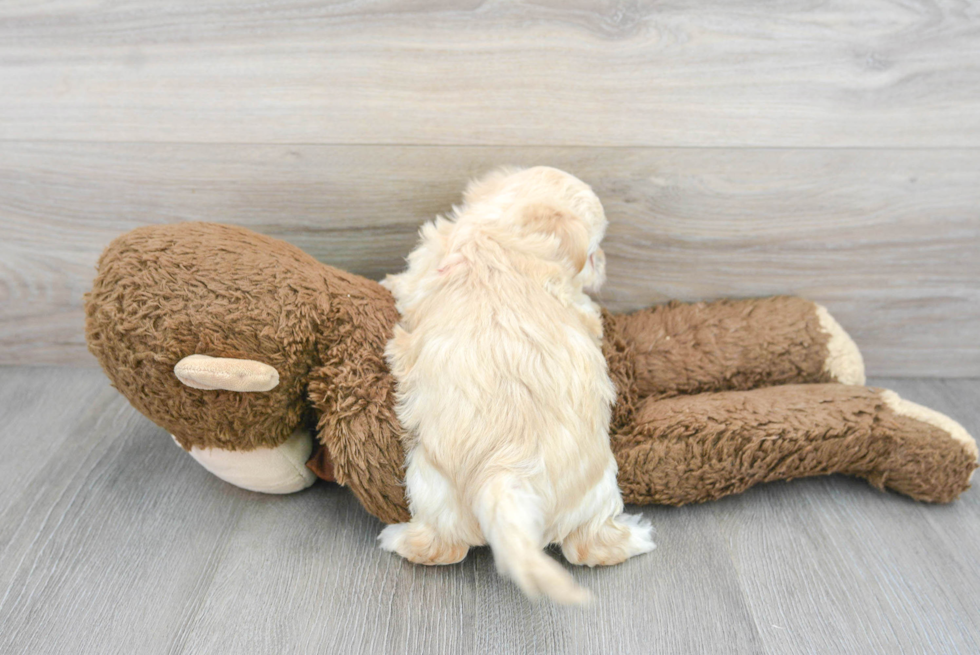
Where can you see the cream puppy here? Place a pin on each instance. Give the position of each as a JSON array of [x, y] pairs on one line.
[[502, 386]]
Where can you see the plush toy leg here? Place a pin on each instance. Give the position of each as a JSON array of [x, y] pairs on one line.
[[278, 470], [695, 448], [683, 348]]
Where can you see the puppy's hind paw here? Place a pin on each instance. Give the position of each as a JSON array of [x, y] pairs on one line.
[[420, 544], [613, 542], [641, 533], [391, 536]]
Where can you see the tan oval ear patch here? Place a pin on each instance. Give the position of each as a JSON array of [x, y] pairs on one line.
[[247, 375]]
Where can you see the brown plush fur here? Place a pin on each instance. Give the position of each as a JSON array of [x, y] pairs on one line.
[[715, 444], [725, 345], [165, 292], [713, 398]]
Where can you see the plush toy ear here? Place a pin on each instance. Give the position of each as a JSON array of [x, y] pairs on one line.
[[210, 373], [570, 230]]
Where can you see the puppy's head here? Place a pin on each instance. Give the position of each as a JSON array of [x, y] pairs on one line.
[[549, 202]]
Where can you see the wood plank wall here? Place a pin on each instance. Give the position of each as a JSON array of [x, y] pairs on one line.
[[742, 148]]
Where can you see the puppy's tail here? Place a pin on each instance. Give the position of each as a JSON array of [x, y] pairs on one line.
[[510, 518]]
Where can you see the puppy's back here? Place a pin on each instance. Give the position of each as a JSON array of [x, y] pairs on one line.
[[496, 372], [503, 389]]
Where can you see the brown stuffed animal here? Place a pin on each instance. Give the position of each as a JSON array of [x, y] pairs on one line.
[[231, 340]]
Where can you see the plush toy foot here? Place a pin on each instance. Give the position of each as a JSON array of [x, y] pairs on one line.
[[844, 362], [419, 543], [279, 470], [615, 541], [933, 457]]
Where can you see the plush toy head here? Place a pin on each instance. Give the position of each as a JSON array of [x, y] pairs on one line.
[[166, 292]]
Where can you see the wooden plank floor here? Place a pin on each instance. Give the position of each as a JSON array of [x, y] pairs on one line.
[[112, 540]]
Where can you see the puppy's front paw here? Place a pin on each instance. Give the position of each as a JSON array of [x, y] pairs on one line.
[[421, 544]]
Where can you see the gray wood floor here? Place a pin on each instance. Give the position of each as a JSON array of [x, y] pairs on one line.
[[112, 540]]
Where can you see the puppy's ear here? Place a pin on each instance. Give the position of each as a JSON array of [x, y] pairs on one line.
[[488, 185], [570, 230]]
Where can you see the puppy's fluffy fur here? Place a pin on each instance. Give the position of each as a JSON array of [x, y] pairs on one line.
[[503, 389]]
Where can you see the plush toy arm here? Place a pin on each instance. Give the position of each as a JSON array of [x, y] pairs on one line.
[[691, 449], [681, 348]]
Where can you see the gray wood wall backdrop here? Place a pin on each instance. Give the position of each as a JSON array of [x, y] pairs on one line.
[[743, 148]]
